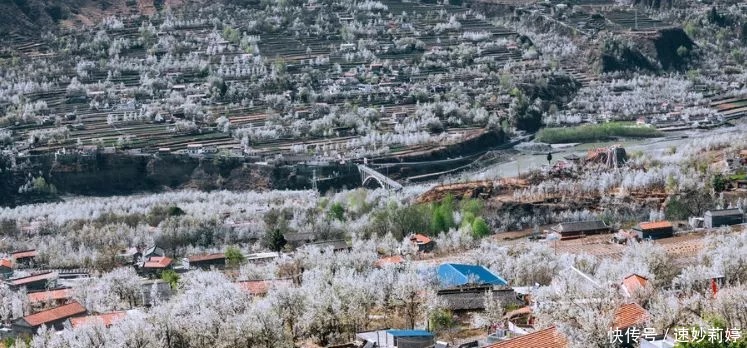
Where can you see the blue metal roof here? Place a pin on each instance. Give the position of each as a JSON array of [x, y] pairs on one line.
[[454, 274], [409, 333]]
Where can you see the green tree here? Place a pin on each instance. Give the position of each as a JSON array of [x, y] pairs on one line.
[[473, 206], [443, 322], [682, 51], [275, 240], [480, 228], [442, 217], [170, 277], [337, 211], [234, 257], [719, 182], [175, 211]]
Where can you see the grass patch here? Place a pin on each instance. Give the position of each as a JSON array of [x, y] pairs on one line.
[[595, 132]]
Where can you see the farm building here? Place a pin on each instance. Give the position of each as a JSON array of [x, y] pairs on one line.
[[473, 298], [37, 282], [654, 230], [397, 338], [207, 261], [723, 217], [454, 275], [580, 228], [54, 317]]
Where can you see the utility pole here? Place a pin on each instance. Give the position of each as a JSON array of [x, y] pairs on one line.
[[313, 180]]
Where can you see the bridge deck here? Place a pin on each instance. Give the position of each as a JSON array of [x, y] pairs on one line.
[[383, 179]]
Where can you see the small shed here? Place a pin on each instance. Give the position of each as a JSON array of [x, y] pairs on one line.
[[422, 243], [568, 230], [654, 230], [454, 275], [723, 217]]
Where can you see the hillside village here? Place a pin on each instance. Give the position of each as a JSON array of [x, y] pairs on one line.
[[373, 174]]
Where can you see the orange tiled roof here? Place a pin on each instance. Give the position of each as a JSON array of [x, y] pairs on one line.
[[51, 295], [420, 239], [260, 287], [6, 263], [207, 257], [634, 282], [157, 262], [23, 254], [654, 225], [33, 278], [629, 315], [545, 338], [391, 260], [55, 314], [107, 319]]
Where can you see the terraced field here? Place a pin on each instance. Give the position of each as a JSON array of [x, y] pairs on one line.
[[114, 88]]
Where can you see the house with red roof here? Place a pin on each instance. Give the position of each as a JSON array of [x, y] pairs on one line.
[[422, 243], [55, 297], [545, 338], [24, 257], [107, 319], [389, 261], [632, 284], [629, 315], [261, 287], [54, 317], [37, 282], [155, 265]]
